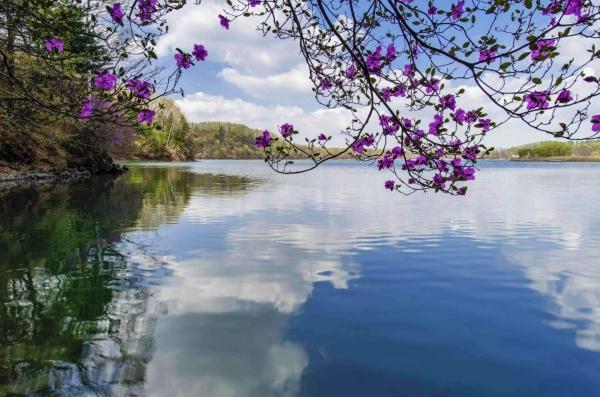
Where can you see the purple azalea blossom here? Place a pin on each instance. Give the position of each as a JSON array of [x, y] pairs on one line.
[[141, 89], [435, 125], [146, 9], [223, 21], [448, 102], [351, 72], [373, 60], [385, 162], [542, 49], [264, 140], [484, 124], [322, 137], [439, 181], [432, 86], [456, 162], [487, 55], [457, 10], [460, 116], [254, 3], [470, 152], [86, 110], [54, 44], [390, 185], [574, 8], [397, 151], [360, 144], [146, 116], [390, 53], [388, 124], [286, 130], [116, 13], [183, 60], [596, 123], [471, 116], [105, 80], [421, 160], [432, 10], [564, 96], [199, 52], [409, 71], [537, 100], [325, 84]]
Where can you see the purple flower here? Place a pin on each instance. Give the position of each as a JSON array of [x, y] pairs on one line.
[[439, 181], [359, 145], [146, 116], [54, 44], [286, 130], [448, 102], [537, 100], [373, 61], [432, 86], [542, 49], [397, 151], [325, 84], [390, 185], [421, 160], [224, 21], [105, 80], [470, 152], [574, 7], [390, 53], [86, 110], [199, 52], [322, 137], [435, 125], [487, 55], [388, 124], [409, 71], [432, 10], [456, 162], [564, 96], [116, 13], [351, 72], [146, 9], [141, 89], [264, 140], [457, 10], [596, 123], [460, 116], [471, 116], [484, 124], [254, 3], [183, 60], [385, 162]]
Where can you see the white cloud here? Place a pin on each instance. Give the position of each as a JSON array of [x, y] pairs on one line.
[[203, 107], [242, 46], [293, 81]]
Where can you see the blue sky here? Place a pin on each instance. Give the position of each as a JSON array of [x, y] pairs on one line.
[[262, 82]]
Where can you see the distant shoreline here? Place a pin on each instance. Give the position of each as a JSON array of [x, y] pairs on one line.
[[558, 159]]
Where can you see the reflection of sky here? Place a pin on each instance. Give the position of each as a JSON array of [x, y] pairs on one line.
[[243, 264]]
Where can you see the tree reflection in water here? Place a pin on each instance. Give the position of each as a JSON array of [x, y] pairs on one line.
[[77, 312]]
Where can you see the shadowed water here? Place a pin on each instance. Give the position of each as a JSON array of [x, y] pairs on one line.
[[221, 278]]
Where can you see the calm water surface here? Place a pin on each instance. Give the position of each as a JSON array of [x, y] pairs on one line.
[[222, 279]]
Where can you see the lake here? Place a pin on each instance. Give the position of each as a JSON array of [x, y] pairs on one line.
[[224, 279]]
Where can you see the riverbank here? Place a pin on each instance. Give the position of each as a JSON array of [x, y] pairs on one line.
[[560, 159], [15, 174]]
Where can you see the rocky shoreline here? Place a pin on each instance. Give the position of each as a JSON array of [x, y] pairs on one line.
[[59, 174]]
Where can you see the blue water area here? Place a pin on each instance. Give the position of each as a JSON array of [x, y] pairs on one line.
[[221, 278]]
